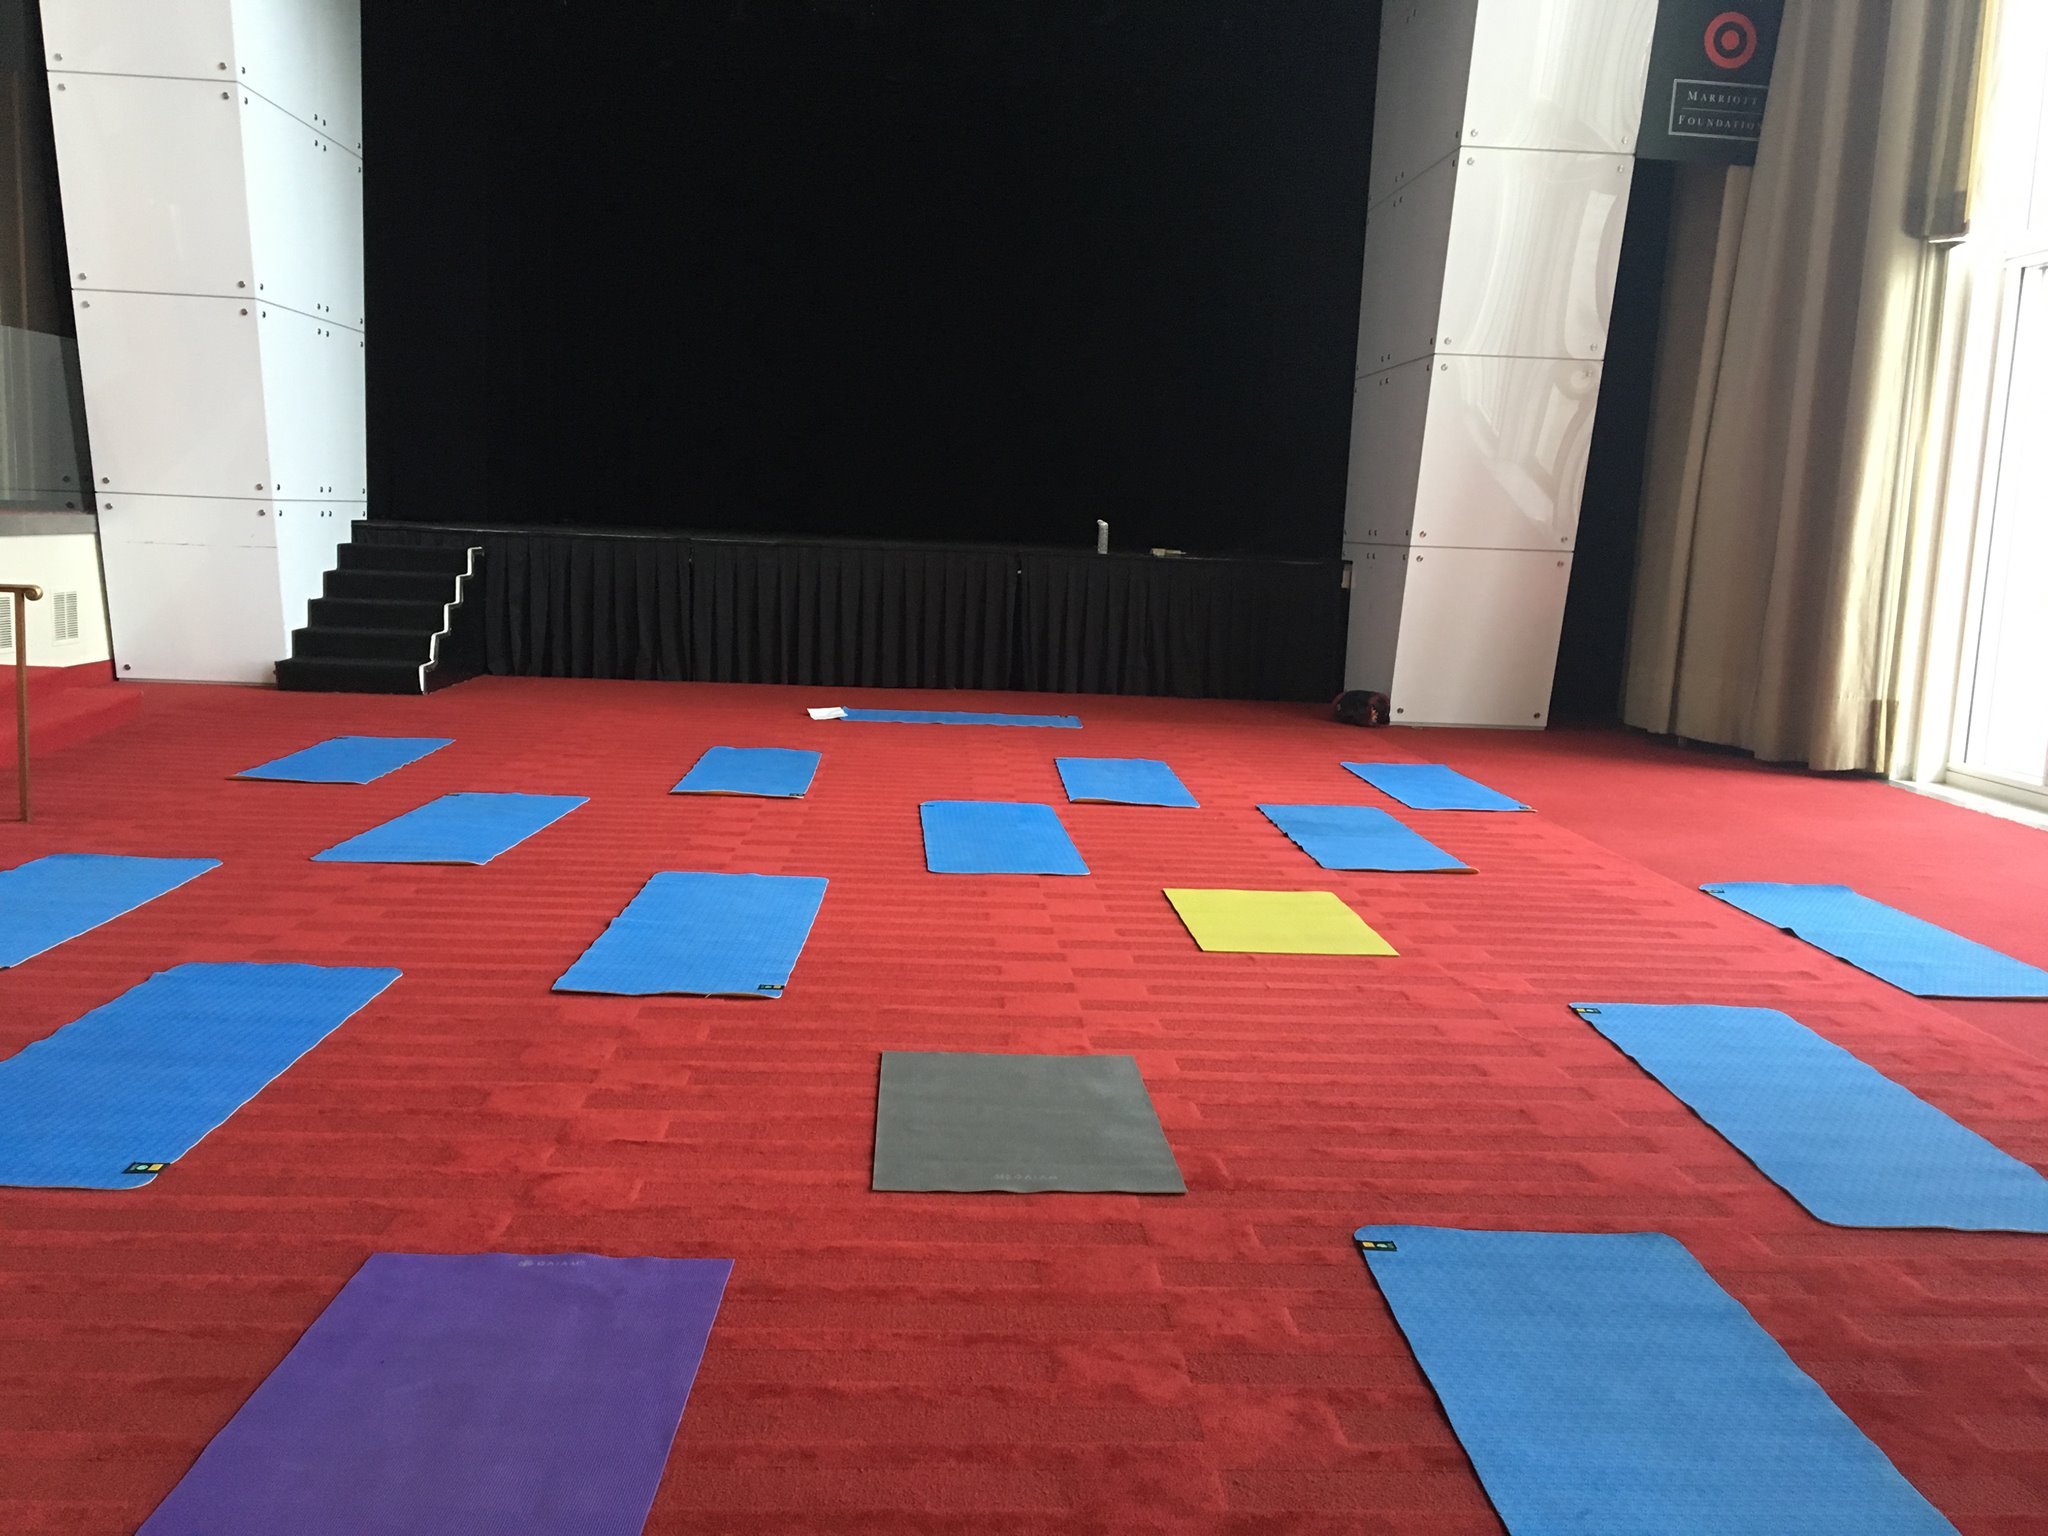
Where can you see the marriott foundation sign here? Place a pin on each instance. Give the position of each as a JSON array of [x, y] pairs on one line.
[[1710, 75]]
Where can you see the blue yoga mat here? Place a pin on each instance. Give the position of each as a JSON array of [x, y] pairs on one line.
[[455, 829], [348, 759], [1606, 1386], [112, 1097], [1834, 1133], [960, 717], [1912, 955], [1123, 781], [61, 895], [702, 935], [1432, 787], [996, 837], [1357, 837], [781, 773]]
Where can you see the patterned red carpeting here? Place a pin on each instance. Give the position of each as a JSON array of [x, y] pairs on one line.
[[985, 1364]]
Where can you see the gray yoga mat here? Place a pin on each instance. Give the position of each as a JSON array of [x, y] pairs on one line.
[[962, 1121]]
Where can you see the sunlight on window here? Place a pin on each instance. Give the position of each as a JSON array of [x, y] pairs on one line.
[[2002, 726]]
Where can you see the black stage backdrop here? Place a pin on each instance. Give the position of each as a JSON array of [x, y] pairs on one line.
[[946, 270], [1592, 651]]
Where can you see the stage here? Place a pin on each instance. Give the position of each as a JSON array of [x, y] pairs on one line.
[[685, 607]]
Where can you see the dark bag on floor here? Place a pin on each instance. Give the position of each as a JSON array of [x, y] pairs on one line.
[[1357, 707]]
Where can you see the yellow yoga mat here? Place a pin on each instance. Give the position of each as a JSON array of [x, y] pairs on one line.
[[1275, 923]]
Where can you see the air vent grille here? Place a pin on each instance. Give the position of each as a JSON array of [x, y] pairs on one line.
[[66, 613]]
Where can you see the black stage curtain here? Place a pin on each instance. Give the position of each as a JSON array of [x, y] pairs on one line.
[[852, 615], [574, 605], [1242, 629], [872, 615]]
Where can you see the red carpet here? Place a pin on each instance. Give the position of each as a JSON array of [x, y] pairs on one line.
[[1052, 1363], [67, 705]]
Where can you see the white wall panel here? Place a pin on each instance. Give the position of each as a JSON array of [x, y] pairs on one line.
[[1379, 573], [351, 477], [299, 406], [340, 230], [341, 72], [1418, 108], [277, 50], [284, 174], [188, 38], [1389, 416], [206, 613], [307, 534], [1504, 452], [341, 469], [146, 207], [1479, 341], [172, 393], [1478, 642], [306, 57], [305, 201], [346, 303], [312, 388], [1406, 240], [1394, 139], [1559, 74], [1529, 270], [202, 145], [132, 519]]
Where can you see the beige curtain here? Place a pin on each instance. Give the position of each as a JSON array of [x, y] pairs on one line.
[[1788, 399]]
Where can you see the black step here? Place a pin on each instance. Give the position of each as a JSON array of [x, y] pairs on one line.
[[435, 559], [328, 675], [413, 645], [419, 586], [374, 613]]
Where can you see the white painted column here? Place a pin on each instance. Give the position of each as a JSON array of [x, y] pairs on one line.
[[210, 156], [1503, 145]]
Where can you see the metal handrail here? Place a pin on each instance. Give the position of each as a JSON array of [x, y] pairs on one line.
[[23, 596]]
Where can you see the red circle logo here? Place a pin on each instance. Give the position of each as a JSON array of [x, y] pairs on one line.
[[1731, 40]]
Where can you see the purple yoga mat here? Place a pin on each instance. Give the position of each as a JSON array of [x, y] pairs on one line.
[[485, 1394]]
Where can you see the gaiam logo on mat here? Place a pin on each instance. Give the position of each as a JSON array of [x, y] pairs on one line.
[[1731, 40]]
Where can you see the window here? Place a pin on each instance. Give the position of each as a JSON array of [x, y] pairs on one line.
[[2000, 741], [2004, 726]]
